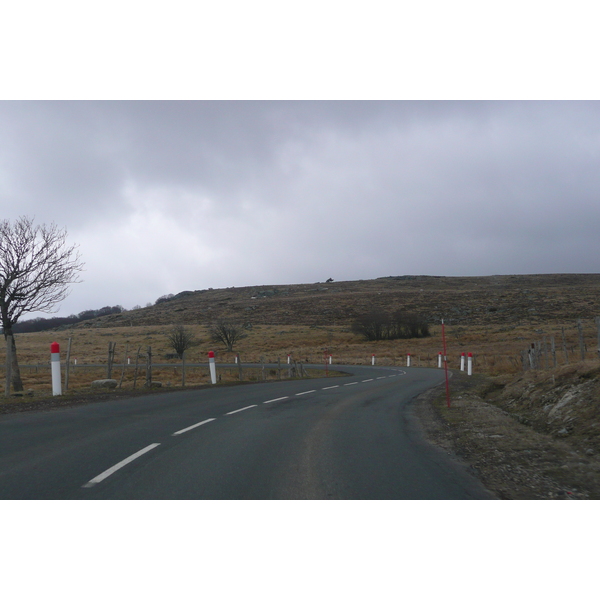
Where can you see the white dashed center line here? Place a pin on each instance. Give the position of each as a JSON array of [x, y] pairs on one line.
[[143, 451], [192, 427], [275, 399], [119, 465], [241, 409]]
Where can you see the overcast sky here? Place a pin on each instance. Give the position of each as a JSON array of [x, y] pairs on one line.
[[184, 195], [169, 196]]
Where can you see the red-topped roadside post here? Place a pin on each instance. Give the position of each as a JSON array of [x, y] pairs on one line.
[[470, 364], [55, 366], [212, 367]]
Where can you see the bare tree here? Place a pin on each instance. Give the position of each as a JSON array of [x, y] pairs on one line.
[[180, 339], [226, 332], [36, 268]]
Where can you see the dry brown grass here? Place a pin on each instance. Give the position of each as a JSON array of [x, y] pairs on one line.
[[496, 350], [495, 318]]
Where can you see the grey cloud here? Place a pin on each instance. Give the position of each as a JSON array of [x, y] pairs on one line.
[[354, 189]]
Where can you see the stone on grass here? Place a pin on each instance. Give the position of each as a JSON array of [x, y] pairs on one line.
[[105, 383]]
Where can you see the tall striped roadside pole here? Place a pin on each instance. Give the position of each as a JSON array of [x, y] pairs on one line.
[[55, 366], [212, 367]]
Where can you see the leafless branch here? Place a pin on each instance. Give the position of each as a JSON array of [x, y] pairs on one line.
[[36, 268], [180, 339], [227, 333]]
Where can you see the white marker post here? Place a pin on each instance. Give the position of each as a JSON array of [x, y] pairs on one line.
[[330, 359], [470, 364], [289, 359], [373, 359], [212, 367], [408, 360], [55, 366], [462, 361], [440, 360]]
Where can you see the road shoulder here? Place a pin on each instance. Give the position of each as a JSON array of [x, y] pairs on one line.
[[510, 459]]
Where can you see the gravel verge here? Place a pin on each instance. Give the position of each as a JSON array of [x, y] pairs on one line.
[[509, 457]]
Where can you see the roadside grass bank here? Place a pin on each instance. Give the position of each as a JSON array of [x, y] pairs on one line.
[[495, 425], [82, 394]]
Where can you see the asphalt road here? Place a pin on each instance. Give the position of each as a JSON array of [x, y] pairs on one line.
[[331, 438]]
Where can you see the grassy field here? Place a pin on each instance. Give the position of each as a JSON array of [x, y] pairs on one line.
[[496, 350], [496, 318]]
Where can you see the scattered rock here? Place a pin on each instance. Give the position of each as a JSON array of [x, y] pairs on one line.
[[105, 383]]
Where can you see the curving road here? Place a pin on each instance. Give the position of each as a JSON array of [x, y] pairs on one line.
[[332, 438]]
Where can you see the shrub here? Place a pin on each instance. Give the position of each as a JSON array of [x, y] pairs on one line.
[[379, 325]]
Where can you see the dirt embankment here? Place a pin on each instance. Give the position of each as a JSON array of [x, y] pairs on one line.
[[535, 436]]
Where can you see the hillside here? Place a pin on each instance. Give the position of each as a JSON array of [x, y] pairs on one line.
[[526, 434], [467, 301]]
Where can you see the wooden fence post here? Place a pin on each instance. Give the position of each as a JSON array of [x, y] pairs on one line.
[[183, 370], [598, 327], [135, 372], [111, 358], [581, 341], [67, 365], [8, 365], [149, 367], [240, 372], [531, 353], [564, 343], [123, 368]]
